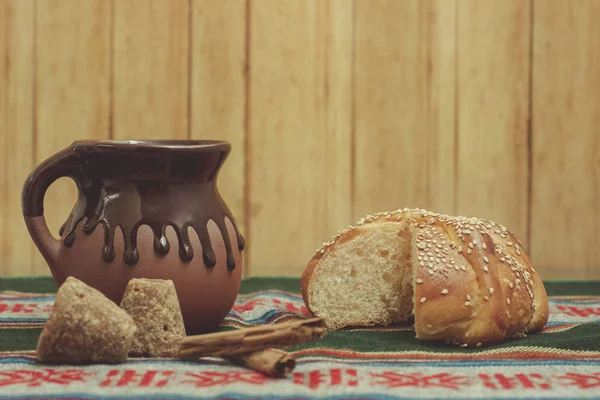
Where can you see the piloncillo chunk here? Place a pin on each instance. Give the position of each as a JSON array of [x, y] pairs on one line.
[[154, 306], [85, 327]]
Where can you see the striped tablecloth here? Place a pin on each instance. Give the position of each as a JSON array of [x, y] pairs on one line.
[[563, 362]]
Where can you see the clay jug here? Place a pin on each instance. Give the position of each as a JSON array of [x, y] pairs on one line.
[[146, 209]]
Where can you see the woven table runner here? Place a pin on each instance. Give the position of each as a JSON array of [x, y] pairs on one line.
[[563, 362]]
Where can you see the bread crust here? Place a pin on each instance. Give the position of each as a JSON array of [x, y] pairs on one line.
[[474, 282]]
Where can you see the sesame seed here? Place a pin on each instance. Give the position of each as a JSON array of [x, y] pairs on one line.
[[510, 285], [464, 345], [509, 243], [468, 251], [486, 298], [423, 299], [463, 268], [491, 290], [419, 258], [518, 252], [487, 260], [502, 259], [484, 246], [456, 267], [434, 241], [430, 271], [478, 344], [445, 291], [421, 263], [435, 269], [507, 300], [429, 326], [419, 281], [475, 242], [471, 245], [507, 314], [467, 334], [431, 258], [467, 303], [460, 249], [485, 268]]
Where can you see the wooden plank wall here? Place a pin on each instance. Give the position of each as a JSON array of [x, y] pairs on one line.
[[335, 109]]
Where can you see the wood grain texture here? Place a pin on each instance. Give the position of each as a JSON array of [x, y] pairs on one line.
[[150, 69], [404, 105], [72, 71], [335, 109], [299, 130], [565, 211], [493, 112], [16, 128], [218, 90]]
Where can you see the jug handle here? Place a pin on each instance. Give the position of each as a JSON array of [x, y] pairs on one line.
[[63, 164]]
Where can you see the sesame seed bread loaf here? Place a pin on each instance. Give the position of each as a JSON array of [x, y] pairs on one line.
[[466, 281]]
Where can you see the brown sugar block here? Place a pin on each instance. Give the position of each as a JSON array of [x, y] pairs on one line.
[[154, 306], [85, 327]]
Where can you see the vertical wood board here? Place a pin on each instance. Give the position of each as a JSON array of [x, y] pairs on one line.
[[299, 130], [16, 128], [218, 91], [150, 85], [493, 112], [404, 105], [72, 65], [566, 137]]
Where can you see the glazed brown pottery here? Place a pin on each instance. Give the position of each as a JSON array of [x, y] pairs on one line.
[[146, 209]]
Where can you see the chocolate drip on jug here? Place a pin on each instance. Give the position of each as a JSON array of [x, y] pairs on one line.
[[127, 185]]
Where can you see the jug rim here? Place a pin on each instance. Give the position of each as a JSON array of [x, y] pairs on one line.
[[157, 144]]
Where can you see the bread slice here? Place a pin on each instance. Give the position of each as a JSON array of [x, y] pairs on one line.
[[464, 280], [367, 279]]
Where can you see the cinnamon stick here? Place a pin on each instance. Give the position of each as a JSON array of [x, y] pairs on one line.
[[275, 363], [250, 340], [254, 347]]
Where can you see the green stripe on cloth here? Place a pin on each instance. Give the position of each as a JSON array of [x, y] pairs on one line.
[[19, 339], [579, 337], [45, 284], [41, 284], [584, 338]]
